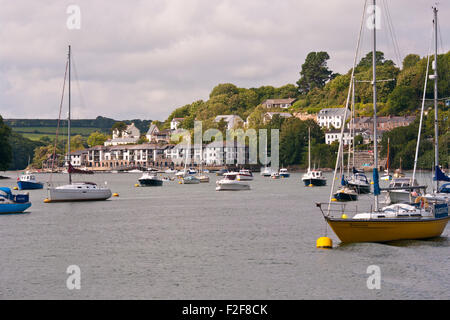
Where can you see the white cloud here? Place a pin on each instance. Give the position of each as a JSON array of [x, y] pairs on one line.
[[142, 59]]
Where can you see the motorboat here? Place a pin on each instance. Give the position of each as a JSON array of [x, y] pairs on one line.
[[402, 190], [359, 182], [314, 178], [10, 203], [245, 175], [190, 180], [231, 183], [284, 173], [346, 194], [149, 179], [275, 175], [28, 181], [170, 170]]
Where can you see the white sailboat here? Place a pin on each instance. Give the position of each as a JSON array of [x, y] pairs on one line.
[[75, 191], [312, 177]]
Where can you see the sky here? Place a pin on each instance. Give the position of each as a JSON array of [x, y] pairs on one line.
[[143, 59]]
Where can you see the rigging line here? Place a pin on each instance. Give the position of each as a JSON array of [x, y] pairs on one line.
[[59, 119], [77, 81], [346, 105], [422, 109], [392, 32]]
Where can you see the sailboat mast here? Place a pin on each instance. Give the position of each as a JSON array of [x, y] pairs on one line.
[[374, 86], [68, 122], [436, 128], [309, 149]]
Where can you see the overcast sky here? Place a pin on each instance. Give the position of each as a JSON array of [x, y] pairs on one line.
[[143, 59]]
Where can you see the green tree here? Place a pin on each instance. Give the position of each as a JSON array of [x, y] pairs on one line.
[[22, 150], [120, 126], [96, 138], [315, 72], [5, 147]]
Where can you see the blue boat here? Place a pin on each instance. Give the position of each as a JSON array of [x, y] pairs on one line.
[[284, 173], [10, 203], [28, 182]]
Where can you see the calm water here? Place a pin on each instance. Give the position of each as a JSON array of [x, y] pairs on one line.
[[191, 242]]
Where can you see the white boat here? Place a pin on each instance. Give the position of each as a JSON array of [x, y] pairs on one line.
[[312, 177], [76, 191], [245, 175], [399, 190], [170, 171], [266, 172], [190, 180], [275, 175], [284, 173], [231, 183], [203, 178]]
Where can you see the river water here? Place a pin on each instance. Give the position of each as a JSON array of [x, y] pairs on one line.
[[191, 242]]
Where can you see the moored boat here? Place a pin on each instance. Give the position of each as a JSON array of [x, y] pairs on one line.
[[230, 183], [28, 181], [284, 173], [10, 203], [190, 180], [245, 175], [150, 180]]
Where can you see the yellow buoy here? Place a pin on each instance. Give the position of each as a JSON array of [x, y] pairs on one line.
[[115, 194], [371, 182], [46, 200], [344, 216], [15, 188], [310, 185], [324, 243], [180, 182], [333, 199], [136, 185]]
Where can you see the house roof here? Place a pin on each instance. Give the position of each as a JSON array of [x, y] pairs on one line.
[[332, 112], [279, 101], [153, 128]]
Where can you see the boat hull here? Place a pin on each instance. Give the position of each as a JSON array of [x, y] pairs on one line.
[[26, 185], [357, 230], [360, 188], [244, 177], [285, 175], [232, 187], [60, 194], [400, 196], [150, 182], [342, 196], [8, 208], [314, 182]]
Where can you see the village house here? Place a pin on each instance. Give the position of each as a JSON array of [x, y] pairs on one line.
[[278, 103], [175, 123], [386, 123], [331, 117], [130, 135], [154, 135], [268, 116], [233, 121]]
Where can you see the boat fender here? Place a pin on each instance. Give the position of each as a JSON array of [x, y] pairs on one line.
[[423, 202]]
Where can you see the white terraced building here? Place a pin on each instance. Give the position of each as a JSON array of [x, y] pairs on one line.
[[329, 117]]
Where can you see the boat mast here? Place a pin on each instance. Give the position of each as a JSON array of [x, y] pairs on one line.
[[436, 129], [309, 149], [68, 124], [374, 86]]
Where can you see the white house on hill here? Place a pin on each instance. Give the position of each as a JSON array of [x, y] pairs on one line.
[[331, 117], [130, 135], [232, 121]]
